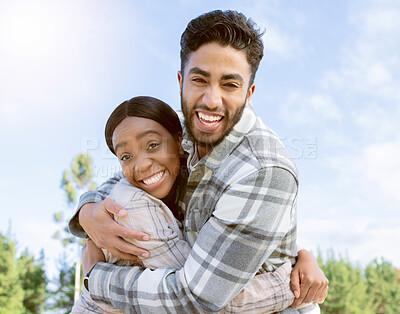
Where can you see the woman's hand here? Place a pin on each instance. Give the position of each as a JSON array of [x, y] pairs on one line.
[[308, 281], [91, 255], [98, 222]]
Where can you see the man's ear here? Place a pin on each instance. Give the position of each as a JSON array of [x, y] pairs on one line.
[[250, 93], [180, 80]]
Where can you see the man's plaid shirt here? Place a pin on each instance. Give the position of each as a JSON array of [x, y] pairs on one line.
[[240, 218]]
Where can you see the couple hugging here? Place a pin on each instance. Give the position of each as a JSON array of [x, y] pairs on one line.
[[204, 211]]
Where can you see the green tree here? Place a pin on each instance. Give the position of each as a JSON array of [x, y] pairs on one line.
[[33, 280], [11, 294], [62, 295], [383, 286], [75, 180], [347, 287]]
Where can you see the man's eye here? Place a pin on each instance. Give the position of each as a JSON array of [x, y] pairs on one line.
[[198, 80], [153, 145], [125, 157], [232, 85]]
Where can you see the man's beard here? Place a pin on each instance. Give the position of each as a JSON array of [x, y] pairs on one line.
[[210, 143]]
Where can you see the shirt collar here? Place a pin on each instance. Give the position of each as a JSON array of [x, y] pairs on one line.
[[214, 158]]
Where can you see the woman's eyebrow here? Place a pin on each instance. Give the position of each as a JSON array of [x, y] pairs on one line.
[[138, 137], [120, 144], [144, 133]]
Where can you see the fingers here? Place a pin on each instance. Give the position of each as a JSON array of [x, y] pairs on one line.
[[131, 234], [122, 249], [295, 283], [113, 208], [312, 291], [322, 296], [125, 256], [299, 300], [108, 234], [322, 292]]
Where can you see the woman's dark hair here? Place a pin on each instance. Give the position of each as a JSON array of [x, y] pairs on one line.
[[228, 28], [143, 107]]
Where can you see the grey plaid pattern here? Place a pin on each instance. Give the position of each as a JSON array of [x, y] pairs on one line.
[[240, 219], [275, 300]]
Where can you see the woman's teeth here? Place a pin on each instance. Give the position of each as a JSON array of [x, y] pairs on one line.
[[209, 119], [154, 179]]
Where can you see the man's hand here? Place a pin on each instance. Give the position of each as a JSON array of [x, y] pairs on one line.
[[91, 255], [98, 222], [307, 280]]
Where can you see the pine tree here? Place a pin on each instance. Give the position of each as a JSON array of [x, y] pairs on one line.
[[33, 280], [347, 287], [11, 294], [62, 295], [76, 180], [383, 286]]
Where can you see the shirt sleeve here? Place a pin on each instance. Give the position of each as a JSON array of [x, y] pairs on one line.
[[228, 252], [167, 247], [266, 293], [92, 197]]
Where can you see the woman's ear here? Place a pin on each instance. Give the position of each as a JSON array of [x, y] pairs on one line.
[[179, 142]]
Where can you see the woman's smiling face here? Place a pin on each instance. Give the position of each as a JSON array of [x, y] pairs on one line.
[[148, 154]]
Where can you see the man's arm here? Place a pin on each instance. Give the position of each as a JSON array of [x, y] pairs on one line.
[[229, 250]]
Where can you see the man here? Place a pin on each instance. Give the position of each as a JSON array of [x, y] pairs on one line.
[[240, 197]]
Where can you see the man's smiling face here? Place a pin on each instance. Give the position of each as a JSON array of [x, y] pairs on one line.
[[214, 91]]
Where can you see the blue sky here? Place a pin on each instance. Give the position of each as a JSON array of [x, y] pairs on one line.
[[326, 85]]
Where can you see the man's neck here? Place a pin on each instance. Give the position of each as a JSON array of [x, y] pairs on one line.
[[203, 151]]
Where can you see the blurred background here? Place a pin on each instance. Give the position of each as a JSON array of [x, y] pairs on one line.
[[326, 85]]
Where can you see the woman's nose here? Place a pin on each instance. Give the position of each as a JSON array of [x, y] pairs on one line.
[[142, 163]]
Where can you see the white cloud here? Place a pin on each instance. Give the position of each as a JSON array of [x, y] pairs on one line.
[[378, 121], [382, 18], [279, 42], [362, 239], [300, 109], [371, 172], [370, 61], [381, 163], [281, 27]]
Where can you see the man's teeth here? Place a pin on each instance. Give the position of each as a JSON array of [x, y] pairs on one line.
[[209, 119], [153, 179]]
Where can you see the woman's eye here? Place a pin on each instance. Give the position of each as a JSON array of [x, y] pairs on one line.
[[153, 145], [125, 157]]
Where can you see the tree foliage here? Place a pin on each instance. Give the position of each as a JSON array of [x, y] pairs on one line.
[[22, 280], [75, 180], [62, 295], [383, 286], [33, 281], [353, 290], [11, 294]]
